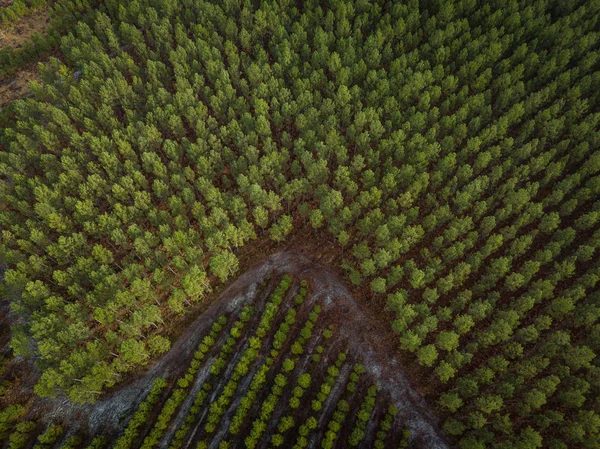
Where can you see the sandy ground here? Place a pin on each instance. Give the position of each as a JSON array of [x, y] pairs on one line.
[[358, 333]]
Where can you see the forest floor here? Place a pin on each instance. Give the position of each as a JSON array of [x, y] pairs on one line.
[[15, 36], [320, 247], [356, 328], [17, 86]]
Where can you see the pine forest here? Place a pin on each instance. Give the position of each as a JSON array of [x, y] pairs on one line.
[[299, 224]]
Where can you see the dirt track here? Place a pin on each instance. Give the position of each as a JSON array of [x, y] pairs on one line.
[[359, 333]]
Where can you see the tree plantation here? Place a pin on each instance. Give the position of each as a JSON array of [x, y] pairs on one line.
[[442, 157], [271, 374]]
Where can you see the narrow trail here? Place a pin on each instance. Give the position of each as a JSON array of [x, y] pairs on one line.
[[358, 333]]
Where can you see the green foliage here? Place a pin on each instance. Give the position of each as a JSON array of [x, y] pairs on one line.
[[378, 285], [140, 416], [223, 265], [427, 355], [8, 416], [316, 218], [385, 426], [158, 344], [363, 417], [450, 148], [49, 436], [97, 443], [72, 442], [280, 230], [21, 434]]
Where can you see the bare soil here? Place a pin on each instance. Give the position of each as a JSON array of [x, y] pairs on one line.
[[358, 329], [15, 35], [367, 338], [320, 247]]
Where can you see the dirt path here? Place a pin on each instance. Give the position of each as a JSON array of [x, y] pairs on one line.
[[359, 331]]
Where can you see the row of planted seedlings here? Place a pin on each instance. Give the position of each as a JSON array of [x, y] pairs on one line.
[[314, 418], [352, 421], [261, 377], [270, 405], [219, 391], [289, 345], [295, 402], [186, 382], [279, 417], [378, 427], [279, 385], [148, 425], [345, 414], [358, 420], [247, 375], [319, 381], [289, 409], [23, 435], [202, 396]]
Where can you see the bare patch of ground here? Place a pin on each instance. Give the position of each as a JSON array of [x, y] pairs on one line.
[[17, 86], [356, 330], [15, 35]]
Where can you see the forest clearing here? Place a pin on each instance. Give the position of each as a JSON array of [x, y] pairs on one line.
[[292, 324]]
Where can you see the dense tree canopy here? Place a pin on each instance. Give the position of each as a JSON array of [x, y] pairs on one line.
[[451, 149]]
